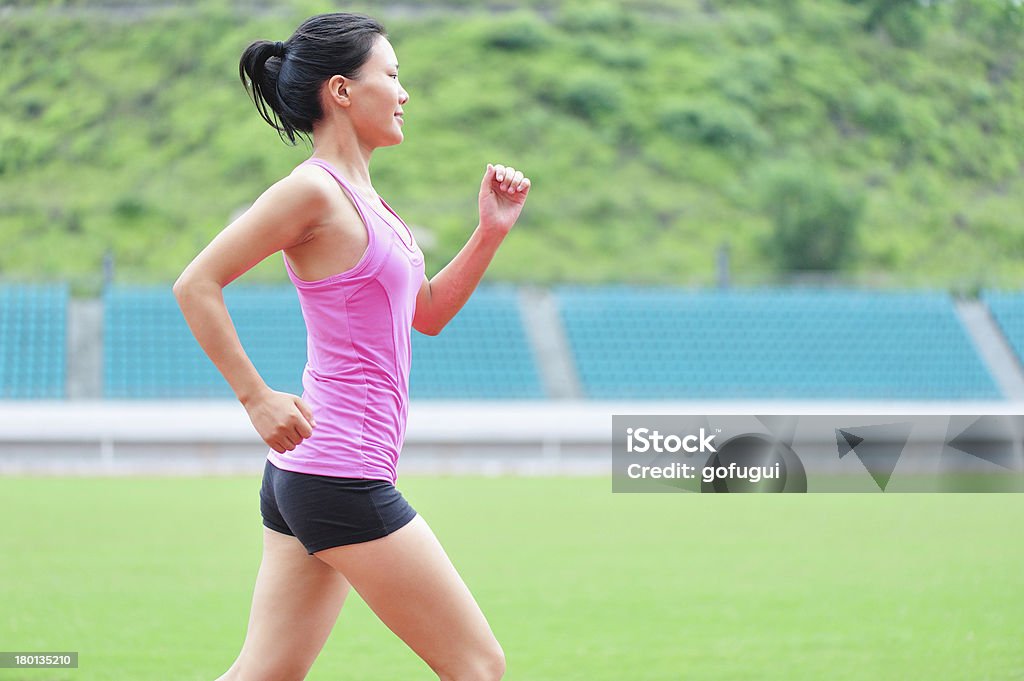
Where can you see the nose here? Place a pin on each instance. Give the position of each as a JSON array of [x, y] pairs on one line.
[[404, 97]]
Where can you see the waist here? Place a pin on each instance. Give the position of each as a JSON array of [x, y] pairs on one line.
[[356, 398], [356, 379]]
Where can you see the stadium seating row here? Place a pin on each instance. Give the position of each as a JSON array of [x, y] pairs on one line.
[[771, 344], [149, 351], [33, 331], [624, 343]]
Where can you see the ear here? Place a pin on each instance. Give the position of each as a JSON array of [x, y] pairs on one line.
[[338, 91]]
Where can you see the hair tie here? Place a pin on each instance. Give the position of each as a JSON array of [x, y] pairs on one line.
[[279, 49]]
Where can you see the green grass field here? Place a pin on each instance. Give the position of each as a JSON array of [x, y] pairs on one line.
[[150, 579]]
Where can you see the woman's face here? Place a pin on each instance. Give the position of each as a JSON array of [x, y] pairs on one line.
[[376, 98]]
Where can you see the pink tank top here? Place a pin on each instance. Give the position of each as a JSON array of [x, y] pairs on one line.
[[358, 352]]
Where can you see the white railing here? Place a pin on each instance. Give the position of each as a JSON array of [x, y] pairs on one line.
[[479, 436]]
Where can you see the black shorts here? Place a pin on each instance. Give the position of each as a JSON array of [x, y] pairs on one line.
[[323, 511]]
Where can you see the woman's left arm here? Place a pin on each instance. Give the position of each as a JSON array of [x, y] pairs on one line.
[[502, 195]]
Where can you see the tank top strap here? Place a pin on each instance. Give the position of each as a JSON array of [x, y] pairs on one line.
[[407, 238], [366, 214], [363, 207], [341, 180]]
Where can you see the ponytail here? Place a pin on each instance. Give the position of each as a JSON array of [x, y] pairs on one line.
[[260, 71]]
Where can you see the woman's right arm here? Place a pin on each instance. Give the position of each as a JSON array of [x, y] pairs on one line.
[[283, 216]]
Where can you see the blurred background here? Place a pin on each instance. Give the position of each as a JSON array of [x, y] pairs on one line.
[[761, 207], [776, 199], [864, 141]]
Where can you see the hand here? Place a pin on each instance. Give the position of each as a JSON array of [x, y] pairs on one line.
[[281, 419], [502, 195]]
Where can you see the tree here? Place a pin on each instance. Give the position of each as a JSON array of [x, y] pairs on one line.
[[815, 220]]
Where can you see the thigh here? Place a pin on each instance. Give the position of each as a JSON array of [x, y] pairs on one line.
[[409, 582], [294, 607]]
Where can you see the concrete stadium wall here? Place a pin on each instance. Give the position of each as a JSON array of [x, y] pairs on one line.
[[105, 437]]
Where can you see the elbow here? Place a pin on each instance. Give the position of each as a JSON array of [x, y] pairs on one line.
[[188, 286], [429, 328], [427, 323], [181, 287]]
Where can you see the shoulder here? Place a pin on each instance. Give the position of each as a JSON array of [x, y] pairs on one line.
[[287, 211], [302, 199], [298, 194], [318, 185], [332, 201], [330, 215], [310, 185]]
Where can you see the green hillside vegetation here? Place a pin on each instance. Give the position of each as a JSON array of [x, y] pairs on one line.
[[881, 140]]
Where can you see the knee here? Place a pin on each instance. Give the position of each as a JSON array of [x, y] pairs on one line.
[[484, 665], [492, 668]]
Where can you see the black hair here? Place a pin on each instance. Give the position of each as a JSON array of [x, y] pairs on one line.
[[284, 78]]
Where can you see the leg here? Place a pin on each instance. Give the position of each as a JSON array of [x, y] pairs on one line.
[[408, 581], [294, 607]]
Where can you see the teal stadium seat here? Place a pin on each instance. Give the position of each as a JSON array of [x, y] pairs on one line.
[[149, 352], [33, 341], [788, 344], [483, 353]]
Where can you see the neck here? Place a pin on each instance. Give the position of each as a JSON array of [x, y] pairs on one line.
[[343, 151]]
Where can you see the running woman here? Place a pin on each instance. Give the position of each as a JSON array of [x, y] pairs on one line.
[[333, 519]]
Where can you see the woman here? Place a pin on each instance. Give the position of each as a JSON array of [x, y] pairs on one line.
[[332, 517]]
